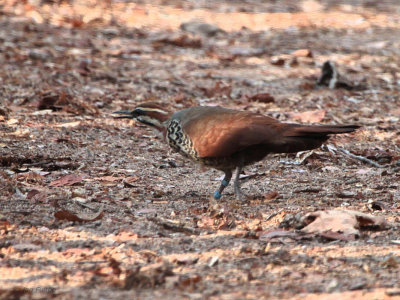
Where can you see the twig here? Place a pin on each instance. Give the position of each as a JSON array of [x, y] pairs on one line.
[[361, 158], [89, 207], [273, 214]]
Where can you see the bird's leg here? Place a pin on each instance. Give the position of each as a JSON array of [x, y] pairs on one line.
[[224, 184], [236, 185]]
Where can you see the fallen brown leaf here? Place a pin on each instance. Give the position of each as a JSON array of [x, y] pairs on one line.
[[69, 124], [67, 180], [180, 40], [70, 216], [271, 196], [128, 181], [4, 225], [185, 259], [311, 116], [331, 235], [345, 222], [261, 97], [277, 233], [302, 53]]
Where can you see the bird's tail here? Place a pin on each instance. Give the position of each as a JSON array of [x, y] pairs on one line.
[[306, 137], [320, 130]]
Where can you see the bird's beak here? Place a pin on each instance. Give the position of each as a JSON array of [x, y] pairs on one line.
[[124, 114]]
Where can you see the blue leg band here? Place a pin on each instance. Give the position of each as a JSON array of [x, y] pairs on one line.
[[224, 182], [217, 195]]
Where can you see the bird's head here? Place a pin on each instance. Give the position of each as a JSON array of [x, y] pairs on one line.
[[150, 113]]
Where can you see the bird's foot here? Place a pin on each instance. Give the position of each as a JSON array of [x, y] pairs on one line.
[[242, 197], [217, 195], [224, 184]]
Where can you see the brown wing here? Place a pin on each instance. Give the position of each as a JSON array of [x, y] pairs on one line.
[[218, 132]]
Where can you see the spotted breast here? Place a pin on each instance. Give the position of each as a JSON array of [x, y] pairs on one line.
[[180, 141]]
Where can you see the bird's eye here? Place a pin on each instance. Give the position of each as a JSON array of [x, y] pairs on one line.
[[139, 112]]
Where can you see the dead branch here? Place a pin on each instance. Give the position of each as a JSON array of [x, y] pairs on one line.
[[361, 158]]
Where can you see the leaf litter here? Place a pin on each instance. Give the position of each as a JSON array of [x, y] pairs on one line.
[[95, 207]]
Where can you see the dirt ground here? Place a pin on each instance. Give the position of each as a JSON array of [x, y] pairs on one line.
[[99, 208]]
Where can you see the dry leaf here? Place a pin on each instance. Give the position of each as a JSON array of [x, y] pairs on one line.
[[32, 193], [128, 181], [271, 196], [180, 40], [311, 116], [108, 180], [302, 53], [70, 216], [69, 124], [261, 97], [4, 224], [185, 259], [277, 233], [344, 222], [67, 180]]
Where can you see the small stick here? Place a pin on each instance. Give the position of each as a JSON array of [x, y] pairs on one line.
[[361, 158]]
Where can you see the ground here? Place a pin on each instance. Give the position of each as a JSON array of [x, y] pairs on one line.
[[97, 207]]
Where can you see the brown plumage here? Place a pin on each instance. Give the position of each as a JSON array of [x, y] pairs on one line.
[[227, 139]]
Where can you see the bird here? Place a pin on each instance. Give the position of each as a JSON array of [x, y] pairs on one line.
[[227, 139]]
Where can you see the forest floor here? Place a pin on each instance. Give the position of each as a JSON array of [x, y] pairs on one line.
[[100, 208]]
